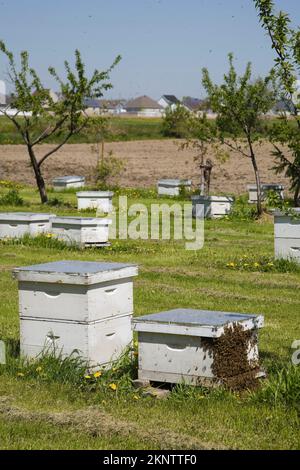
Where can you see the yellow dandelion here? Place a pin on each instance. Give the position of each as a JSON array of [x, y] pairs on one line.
[[113, 386], [256, 264], [231, 265], [97, 374], [136, 397], [136, 344], [87, 377], [20, 374], [39, 369]]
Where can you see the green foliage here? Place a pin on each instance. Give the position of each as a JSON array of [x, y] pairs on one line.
[[10, 185], [263, 264], [283, 388], [62, 118], [12, 198], [108, 167], [240, 103], [176, 122], [242, 210], [286, 43]]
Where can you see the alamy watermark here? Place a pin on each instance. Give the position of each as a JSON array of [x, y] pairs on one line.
[[158, 222], [296, 354]]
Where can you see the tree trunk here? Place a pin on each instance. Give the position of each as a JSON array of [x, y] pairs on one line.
[[257, 179], [296, 195], [38, 175]]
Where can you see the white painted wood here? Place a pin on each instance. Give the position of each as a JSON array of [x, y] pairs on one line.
[[98, 342], [75, 272], [64, 182], [18, 224], [171, 187], [252, 190], [214, 207], [287, 235], [177, 345], [101, 200], [81, 231], [79, 303]]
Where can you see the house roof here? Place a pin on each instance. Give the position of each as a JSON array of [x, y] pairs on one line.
[[192, 103], [171, 99], [142, 102]]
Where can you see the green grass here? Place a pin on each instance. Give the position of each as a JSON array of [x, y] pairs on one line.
[[38, 411], [123, 129]]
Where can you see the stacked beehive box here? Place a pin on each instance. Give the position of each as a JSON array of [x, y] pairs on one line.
[[81, 231], [287, 234], [18, 224], [172, 187], [101, 200], [73, 305]]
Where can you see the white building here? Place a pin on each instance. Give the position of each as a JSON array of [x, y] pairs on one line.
[[168, 101], [144, 106]]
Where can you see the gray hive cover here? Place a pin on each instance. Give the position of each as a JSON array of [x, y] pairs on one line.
[[80, 221], [68, 179], [195, 322], [174, 182], [95, 194], [25, 216], [266, 186], [75, 272]]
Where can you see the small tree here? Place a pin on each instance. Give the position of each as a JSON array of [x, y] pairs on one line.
[[175, 121], [201, 136], [102, 129], [286, 43], [39, 117], [240, 104]]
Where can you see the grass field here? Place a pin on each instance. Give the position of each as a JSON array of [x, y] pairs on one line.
[[123, 129], [44, 408]]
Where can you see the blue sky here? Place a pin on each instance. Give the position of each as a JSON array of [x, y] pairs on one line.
[[163, 43]]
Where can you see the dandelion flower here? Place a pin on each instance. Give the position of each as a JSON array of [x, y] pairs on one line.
[[20, 374], [38, 369], [87, 377], [97, 374], [136, 397], [113, 386]]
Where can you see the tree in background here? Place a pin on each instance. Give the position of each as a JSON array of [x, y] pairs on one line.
[[286, 43], [240, 103], [107, 166], [39, 117], [175, 122]]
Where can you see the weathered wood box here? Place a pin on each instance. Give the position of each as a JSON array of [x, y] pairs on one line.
[[265, 188], [65, 182], [171, 187], [287, 235], [181, 345], [214, 207], [101, 200], [81, 231], [18, 224], [73, 305]]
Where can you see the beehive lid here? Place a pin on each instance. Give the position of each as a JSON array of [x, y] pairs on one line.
[[291, 211], [75, 272], [174, 182], [25, 216], [204, 323], [81, 221], [201, 199], [95, 194], [68, 179], [265, 186]]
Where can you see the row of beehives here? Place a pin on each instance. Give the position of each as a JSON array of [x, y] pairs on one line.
[[88, 306], [81, 231]]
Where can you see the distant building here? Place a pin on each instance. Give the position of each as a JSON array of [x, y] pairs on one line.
[[168, 101], [52, 95], [2, 93], [192, 104], [144, 106]]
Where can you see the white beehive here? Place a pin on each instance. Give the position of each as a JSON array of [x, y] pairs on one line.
[[177, 345], [65, 182], [74, 305], [18, 224], [252, 190], [287, 235], [171, 187], [81, 231], [214, 207], [101, 200]]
